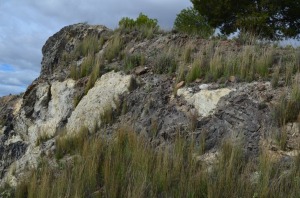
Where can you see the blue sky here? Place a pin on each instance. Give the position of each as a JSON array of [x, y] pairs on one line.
[[25, 25]]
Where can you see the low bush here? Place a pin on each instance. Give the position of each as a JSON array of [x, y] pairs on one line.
[[145, 25]]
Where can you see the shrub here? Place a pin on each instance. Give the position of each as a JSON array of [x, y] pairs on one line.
[[126, 22], [192, 22], [143, 23]]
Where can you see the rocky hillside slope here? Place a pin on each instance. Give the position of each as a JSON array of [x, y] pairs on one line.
[[161, 84]]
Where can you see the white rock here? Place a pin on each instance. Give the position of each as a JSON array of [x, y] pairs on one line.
[[103, 95], [203, 86], [13, 139], [59, 108], [2, 129], [190, 89], [17, 107], [204, 101]]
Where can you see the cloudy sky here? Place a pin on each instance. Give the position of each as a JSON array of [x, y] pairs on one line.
[[25, 26]]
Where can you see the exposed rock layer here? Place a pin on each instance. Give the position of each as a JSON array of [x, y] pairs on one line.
[[30, 122]]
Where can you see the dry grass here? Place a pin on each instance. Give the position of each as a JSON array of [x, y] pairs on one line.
[[288, 108], [128, 166], [113, 48], [165, 63]]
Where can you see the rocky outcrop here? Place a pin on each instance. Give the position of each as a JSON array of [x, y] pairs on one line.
[[154, 105], [64, 42]]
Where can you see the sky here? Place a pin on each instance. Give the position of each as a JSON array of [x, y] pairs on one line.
[[25, 25]]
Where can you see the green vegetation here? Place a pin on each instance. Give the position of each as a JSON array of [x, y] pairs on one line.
[[132, 61], [145, 25], [248, 63], [86, 49], [165, 63], [94, 75], [266, 19], [275, 77], [141, 22], [42, 138], [113, 48], [190, 21], [128, 166], [71, 144], [89, 45], [195, 71], [288, 108]]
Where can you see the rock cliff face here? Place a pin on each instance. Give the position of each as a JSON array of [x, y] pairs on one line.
[[141, 97]]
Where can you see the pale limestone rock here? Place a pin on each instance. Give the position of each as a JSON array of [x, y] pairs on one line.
[[13, 139], [17, 106], [2, 129], [103, 95], [203, 86], [205, 101], [59, 108]]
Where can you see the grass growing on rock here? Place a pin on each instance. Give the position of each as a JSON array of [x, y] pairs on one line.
[[127, 165], [288, 108], [113, 48]]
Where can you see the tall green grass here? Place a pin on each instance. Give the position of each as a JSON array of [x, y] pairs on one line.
[[127, 165], [248, 63], [113, 48]]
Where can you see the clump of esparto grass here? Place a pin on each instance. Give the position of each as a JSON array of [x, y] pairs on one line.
[[113, 48], [246, 59], [132, 61], [187, 53], [84, 69], [287, 109], [43, 137], [195, 71], [70, 143], [128, 165], [289, 70], [107, 117], [89, 45], [95, 74], [275, 77], [264, 61], [165, 64], [216, 67]]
